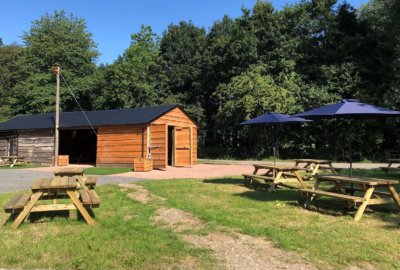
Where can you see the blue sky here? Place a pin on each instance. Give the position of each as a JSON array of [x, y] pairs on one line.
[[112, 22]]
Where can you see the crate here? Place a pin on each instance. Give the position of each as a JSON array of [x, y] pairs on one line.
[[142, 164], [63, 160]]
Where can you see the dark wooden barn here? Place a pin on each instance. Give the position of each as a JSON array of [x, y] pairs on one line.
[[113, 138]]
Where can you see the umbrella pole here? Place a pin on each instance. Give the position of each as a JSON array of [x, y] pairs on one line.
[[273, 144]]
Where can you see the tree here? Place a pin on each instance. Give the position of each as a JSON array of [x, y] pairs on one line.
[[57, 39], [9, 70], [135, 79]]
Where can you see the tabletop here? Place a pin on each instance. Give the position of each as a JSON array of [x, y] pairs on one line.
[[54, 184], [357, 180], [277, 168], [316, 161], [69, 170]]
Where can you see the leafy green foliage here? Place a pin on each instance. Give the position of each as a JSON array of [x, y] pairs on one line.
[[306, 55]]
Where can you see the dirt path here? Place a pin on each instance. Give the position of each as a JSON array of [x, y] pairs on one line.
[[232, 250]]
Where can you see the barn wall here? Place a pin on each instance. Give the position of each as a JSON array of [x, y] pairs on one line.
[[158, 139], [175, 117], [194, 145], [37, 146], [159, 135], [117, 146], [3, 146], [3, 141]]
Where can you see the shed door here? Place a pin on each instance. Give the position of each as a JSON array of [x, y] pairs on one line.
[[182, 146]]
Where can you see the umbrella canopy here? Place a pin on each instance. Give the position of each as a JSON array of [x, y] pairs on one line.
[[348, 108], [274, 119]]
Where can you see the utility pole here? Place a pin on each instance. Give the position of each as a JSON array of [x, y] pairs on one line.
[[56, 72]]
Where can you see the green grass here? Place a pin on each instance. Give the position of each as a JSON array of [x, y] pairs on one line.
[[107, 171], [21, 167], [327, 236], [112, 243]]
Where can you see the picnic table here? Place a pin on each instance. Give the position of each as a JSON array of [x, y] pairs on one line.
[[13, 160], [53, 189], [77, 173], [389, 167], [367, 187], [276, 175], [315, 165]]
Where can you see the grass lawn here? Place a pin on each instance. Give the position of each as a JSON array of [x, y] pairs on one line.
[[123, 237], [327, 237], [21, 167], [107, 171]]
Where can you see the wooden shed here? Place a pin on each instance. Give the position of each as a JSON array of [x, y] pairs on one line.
[[113, 138]]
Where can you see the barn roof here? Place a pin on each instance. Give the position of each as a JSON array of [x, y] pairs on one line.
[[97, 118]]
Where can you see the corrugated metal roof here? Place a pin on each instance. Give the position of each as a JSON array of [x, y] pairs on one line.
[[97, 118]]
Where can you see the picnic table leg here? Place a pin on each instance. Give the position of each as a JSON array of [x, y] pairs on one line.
[[27, 209], [79, 178], [395, 195], [332, 168], [315, 170], [80, 207], [274, 183], [13, 163], [365, 203], [300, 179]]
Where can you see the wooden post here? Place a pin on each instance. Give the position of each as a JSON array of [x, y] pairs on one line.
[[56, 71]]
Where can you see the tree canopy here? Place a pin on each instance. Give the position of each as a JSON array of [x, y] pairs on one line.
[[308, 54]]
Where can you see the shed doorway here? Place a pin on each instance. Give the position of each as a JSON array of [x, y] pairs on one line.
[[80, 145], [179, 146]]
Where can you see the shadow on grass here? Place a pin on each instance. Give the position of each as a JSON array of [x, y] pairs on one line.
[[43, 217], [325, 206], [223, 181]]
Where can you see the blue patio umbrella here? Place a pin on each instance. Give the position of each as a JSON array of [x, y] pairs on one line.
[[274, 119], [348, 109]]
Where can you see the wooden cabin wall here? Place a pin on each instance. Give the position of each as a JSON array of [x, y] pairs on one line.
[[117, 146], [37, 146], [3, 146], [194, 145], [158, 139], [159, 134], [175, 117]]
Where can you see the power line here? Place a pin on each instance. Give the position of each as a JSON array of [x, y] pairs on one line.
[[79, 105]]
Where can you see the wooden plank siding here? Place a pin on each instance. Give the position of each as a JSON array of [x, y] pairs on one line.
[[158, 145], [194, 145], [159, 138], [117, 146], [3, 146], [37, 146], [175, 117]]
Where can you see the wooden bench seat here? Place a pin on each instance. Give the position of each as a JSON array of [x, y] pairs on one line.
[[89, 198], [389, 168], [257, 176], [17, 204], [332, 194], [90, 181]]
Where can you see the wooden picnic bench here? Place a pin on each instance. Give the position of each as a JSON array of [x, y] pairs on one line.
[[367, 186], [276, 175], [53, 189], [389, 167], [314, 166], [86, 182], [13, 160]]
